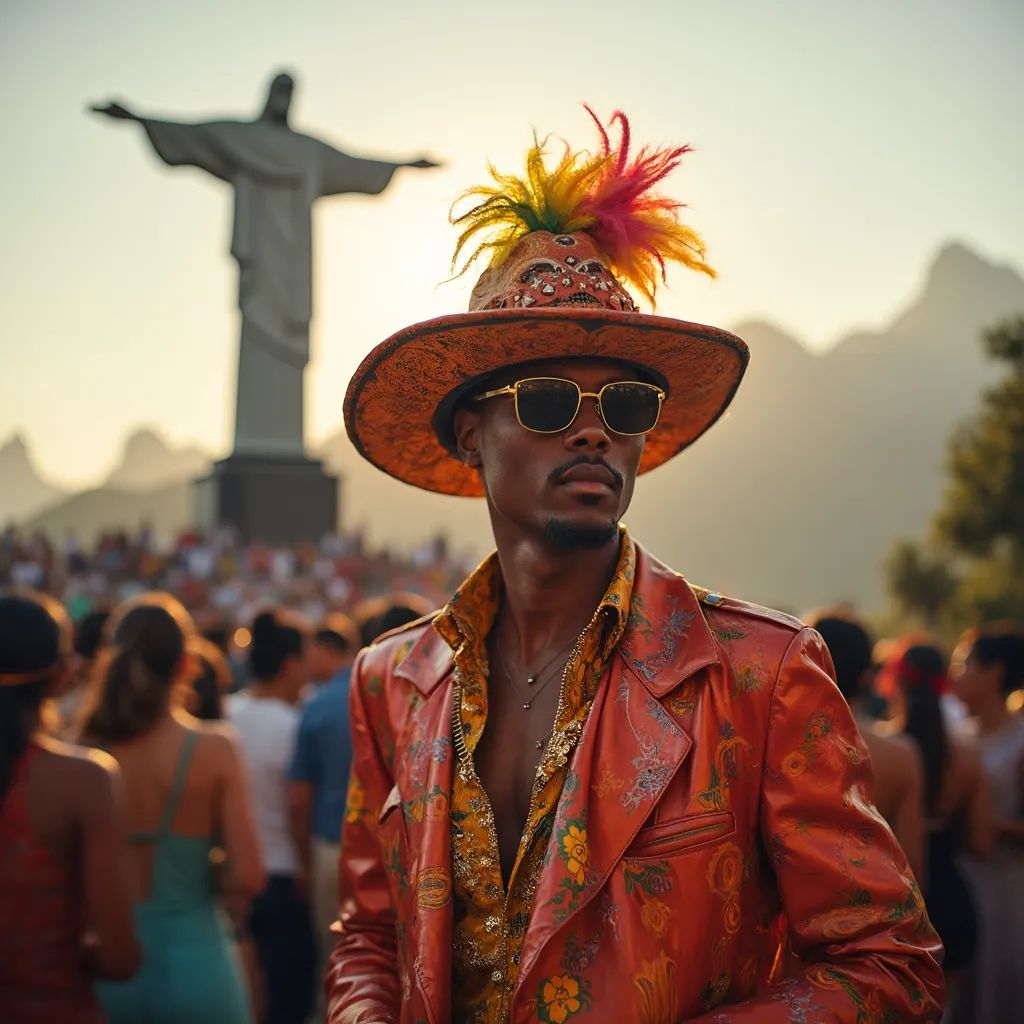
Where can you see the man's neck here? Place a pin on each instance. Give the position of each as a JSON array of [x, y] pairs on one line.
[[549, 596], [992, 717], [267, 690]]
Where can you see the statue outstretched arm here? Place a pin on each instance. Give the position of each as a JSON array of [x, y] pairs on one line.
[[115, 110], [342, 173], [196, 145]]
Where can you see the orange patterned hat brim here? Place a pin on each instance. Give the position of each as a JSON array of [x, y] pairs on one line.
[[397, 388]]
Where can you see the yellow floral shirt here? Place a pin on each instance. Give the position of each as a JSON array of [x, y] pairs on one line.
[[489, 936]]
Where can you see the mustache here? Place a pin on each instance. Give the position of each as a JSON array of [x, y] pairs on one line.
[[585, 460]]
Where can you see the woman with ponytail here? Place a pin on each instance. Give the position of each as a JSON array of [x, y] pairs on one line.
[[65, 901], [186, 796], [955, 807], [988, 667]]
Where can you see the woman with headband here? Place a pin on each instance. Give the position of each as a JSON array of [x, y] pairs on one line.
[[64, 895]]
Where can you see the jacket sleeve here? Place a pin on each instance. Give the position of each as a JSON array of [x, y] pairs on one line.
[[864, 949], [362, 976]]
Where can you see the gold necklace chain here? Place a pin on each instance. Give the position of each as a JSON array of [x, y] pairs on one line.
[[530, 694], [533, 676]]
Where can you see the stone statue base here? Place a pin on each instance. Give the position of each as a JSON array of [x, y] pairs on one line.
[[275, 500]]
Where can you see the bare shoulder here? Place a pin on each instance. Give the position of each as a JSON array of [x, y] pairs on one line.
[[898, 752], [218, 740], [83, 781], [89, 765]]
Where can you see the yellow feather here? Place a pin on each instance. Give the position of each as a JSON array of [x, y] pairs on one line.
[[544, 199]]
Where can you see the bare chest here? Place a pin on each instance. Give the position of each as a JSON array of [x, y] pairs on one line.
[[507, 758]]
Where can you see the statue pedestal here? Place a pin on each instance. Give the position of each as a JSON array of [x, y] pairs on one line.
[[276, 500]]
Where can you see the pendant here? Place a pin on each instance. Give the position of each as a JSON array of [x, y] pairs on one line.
[[540, 744], [526, 706], [531, 679]]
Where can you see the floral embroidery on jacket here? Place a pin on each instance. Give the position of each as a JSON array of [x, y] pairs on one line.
[[560, 997], [655, 981], [724, 770]]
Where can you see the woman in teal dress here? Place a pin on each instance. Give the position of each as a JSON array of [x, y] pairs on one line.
[[185, 795]]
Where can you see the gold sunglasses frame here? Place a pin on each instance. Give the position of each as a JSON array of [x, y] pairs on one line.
[[513, 390]]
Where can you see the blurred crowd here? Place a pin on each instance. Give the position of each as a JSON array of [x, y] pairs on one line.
[[220, 581], [194, 838]]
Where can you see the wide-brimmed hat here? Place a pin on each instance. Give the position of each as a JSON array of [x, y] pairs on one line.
[[562, 243]]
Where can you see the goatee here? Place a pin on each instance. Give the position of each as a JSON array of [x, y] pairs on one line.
[[565, 536]]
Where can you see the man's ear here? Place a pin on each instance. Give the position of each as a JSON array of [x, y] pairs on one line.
[[465, 426]]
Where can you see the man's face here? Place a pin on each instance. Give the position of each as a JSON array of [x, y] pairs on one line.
[[572, 487], [298, 672], [326, 661], [973, 682]]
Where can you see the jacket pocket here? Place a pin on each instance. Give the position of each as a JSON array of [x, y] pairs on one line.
[[671, 837]]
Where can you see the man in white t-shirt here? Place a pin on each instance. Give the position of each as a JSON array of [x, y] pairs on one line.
[[267, 721]]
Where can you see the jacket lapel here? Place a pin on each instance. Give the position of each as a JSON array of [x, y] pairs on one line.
[[629, 752], [423, 776]]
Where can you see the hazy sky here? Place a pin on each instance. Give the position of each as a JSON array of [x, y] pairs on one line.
[[838, 145]]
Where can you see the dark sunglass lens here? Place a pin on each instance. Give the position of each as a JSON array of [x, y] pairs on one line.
[[630, 408], [547, 404]]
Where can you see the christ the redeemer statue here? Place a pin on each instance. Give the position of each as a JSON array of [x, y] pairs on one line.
[[277, 173]]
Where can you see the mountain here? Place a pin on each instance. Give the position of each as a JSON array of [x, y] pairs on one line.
[[165, 509], [22, 490], [151, 483], [791, 500], [149, 462]]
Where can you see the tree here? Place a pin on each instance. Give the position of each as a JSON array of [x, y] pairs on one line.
[[984, 502], [922, 584], [979, 526]]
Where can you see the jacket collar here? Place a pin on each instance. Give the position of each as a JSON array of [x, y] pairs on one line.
[[666, 638], [428, 662]]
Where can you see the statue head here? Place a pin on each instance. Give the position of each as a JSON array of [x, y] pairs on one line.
[[279, 99]]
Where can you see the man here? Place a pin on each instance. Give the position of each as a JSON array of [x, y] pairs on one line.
[[585, 790], [895, 761], [319, 768], [267, 721]]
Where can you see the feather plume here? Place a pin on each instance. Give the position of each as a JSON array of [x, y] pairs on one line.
[[542, 200], [610, 195], [634, 226]]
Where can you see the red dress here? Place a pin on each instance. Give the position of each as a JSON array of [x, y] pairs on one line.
[[44, 975]]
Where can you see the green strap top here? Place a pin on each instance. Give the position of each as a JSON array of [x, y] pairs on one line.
[[173, 798]]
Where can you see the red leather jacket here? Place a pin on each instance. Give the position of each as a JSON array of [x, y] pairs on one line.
[[724, 857]]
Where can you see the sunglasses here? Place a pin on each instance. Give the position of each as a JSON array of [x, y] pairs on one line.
[[548, 405]]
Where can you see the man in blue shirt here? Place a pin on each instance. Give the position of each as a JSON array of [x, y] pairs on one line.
[[319, 770]]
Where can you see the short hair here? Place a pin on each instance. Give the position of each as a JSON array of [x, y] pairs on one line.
[[338, 631], [850, 646], [276, 636], [1005, 648], [381, 615]]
